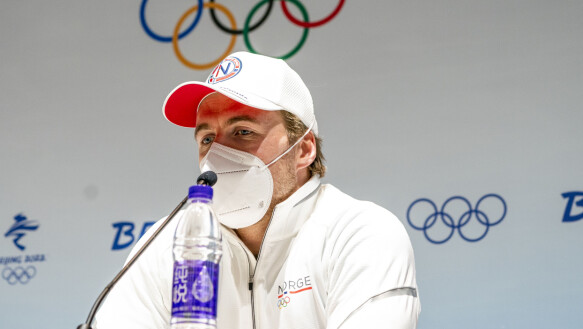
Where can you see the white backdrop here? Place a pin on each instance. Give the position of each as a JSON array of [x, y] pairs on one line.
[[414, 99]]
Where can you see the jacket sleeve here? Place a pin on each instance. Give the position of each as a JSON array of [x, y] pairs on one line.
[[371, 273], [141, 298]]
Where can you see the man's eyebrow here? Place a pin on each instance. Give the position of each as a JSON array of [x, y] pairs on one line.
[[202, 126], [236, 119]]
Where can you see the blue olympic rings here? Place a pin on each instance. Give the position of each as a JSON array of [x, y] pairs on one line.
[[462, 221], [18, 274], [157, 37]]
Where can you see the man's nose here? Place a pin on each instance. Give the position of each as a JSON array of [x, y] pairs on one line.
[[220, 138], [224, 139]]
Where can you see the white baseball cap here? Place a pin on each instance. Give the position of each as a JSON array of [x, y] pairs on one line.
[[254, 80]]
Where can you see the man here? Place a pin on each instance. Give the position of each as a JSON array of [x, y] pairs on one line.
[[296, 253]]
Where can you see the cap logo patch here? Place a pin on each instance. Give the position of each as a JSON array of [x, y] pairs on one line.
[[228, 68]]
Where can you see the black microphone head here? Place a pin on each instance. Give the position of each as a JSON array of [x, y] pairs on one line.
[[207, 178]]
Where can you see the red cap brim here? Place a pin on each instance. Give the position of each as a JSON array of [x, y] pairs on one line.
[[182, 103]]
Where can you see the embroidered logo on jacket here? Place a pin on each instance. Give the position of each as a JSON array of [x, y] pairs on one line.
[[287, 289]]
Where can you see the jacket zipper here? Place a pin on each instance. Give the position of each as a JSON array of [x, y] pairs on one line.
[[252, 276], [252, 302], [250, 282]]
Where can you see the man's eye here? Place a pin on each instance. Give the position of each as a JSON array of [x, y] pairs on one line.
[[243, 132], [207, 140]]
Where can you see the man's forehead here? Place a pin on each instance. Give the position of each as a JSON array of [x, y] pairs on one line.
[[216, 104]]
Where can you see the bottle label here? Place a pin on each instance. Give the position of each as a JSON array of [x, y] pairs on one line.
[[195, 290]]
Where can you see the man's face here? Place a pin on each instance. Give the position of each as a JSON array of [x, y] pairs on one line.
[[261, 133]]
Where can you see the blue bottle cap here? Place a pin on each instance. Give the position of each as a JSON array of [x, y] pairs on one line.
[[200, 191]]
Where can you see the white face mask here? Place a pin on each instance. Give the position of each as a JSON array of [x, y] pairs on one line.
[[244, 186]]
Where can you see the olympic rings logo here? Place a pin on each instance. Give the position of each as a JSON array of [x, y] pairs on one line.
[[233, 30], [447, 218], [18, 274], [282, 302]]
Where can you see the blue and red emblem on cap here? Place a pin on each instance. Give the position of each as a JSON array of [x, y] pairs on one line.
[[228, 68]]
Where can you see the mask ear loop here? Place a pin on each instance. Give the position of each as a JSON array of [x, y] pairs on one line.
[[291, 147]]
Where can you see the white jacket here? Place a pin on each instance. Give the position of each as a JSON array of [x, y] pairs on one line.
[[326, 261]]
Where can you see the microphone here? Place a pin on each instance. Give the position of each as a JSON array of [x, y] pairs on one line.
[[207, 178]]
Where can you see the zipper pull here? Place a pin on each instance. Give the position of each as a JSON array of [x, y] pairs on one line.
[[251, 284]]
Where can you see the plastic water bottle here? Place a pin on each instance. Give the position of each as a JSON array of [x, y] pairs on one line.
[[197, 251]]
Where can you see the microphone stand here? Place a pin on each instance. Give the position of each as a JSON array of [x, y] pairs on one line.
[[206, 178], [105, 292]]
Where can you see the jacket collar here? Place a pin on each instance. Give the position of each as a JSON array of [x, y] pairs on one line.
[[290, 215], [287, 219]]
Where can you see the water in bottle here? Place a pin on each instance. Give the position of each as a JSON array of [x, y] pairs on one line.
[[197, 251]]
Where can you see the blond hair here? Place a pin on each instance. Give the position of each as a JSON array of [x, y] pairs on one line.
[[295, 129]]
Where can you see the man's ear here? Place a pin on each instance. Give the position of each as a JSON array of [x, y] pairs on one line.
[[306, 151]]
